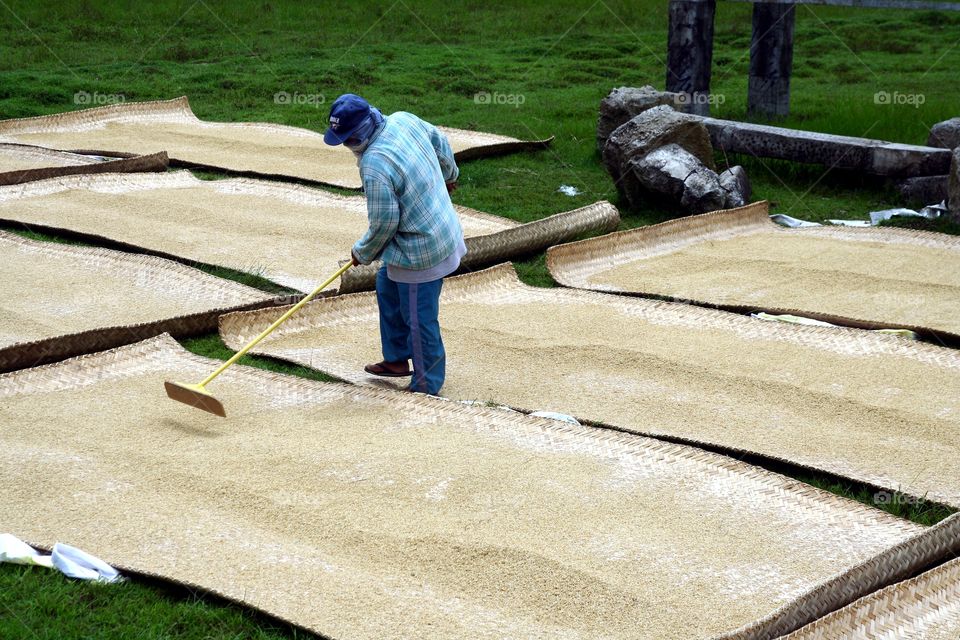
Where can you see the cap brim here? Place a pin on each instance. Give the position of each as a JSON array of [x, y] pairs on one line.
[[333, 138]]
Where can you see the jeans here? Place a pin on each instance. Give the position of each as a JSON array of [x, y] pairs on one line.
[[410, 329]]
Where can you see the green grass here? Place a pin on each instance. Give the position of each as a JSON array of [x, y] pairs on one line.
[[41, 604], [940, 225], [232, 58], [432, 57], [533, 271], [917, 510], [253, 278], [211, 346]]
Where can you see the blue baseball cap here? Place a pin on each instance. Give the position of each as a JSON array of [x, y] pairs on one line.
[[346, 114]]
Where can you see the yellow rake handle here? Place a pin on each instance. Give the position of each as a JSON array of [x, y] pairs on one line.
[[269, 330]]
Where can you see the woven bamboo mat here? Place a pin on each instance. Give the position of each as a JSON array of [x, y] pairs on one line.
[[924, 608], [62, 300], [499, 246], [366, 513], [255, 148], [291, 234], [875, 408], [740, 260], [24, 163]]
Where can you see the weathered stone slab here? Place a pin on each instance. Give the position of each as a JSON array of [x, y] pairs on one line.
[[945, 134], [736, 184], [623, 103], [842, 152], [650, 130], [677, 176], [955, 186], [923, 190]]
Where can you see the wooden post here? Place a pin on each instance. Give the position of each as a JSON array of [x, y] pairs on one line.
[[771, 59], [690, 51]]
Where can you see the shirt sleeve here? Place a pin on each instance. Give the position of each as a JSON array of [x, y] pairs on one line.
[[383, 214], [448, 164]]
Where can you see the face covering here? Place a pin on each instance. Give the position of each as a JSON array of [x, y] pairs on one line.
[[364, 133]]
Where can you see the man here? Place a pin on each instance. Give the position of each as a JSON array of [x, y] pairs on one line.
[[408, 173]]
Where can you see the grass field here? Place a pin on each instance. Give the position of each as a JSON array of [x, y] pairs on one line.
[[550, 63]]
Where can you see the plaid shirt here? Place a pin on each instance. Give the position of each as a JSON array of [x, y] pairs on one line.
[[413, 224]]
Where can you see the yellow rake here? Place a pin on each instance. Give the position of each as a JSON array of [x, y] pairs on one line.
[[197, 396]]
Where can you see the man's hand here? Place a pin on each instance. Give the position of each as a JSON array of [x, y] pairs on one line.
[[451, 187], [353, 260]]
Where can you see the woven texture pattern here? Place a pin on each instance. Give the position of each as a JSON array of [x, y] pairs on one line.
[[366, 513], [62, 300], [255, 148], [740, 260], [291, 234], [492, 248], [21, 163], [924, 608], [874, 408]]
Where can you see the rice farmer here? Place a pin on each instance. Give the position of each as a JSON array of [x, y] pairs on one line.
[[408, 172]]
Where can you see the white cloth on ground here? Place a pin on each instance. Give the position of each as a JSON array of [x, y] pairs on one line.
[[70, 561]]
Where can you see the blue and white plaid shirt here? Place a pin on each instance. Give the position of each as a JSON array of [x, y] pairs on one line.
[[413, 224]]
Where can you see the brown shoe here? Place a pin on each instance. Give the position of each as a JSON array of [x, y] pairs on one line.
[[389, 369]]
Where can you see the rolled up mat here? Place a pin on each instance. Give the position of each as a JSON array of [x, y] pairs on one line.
[[492, 248], [21, 163]]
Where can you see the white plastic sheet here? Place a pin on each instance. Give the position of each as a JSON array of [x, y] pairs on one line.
[[75, 563], [789, 221], [931, 212], [791, 319]]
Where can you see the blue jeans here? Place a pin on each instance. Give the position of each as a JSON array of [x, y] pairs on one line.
[[410, 329]]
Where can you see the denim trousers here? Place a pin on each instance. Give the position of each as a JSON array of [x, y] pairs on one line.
[[410, 329]]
